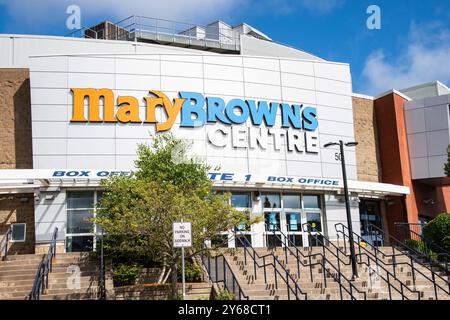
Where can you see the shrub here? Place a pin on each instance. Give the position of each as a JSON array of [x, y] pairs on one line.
[[192, 272], [420, 246], [437, 231], [125, 274], [224, 295]]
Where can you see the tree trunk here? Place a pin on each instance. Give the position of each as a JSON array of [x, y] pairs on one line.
[[174, 279]]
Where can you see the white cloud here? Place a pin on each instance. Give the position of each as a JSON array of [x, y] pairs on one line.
[[426, 57], [42, 14]]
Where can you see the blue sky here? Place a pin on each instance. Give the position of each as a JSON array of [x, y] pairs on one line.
[[412, 46]]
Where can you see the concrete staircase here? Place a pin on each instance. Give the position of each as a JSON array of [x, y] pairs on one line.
[[370, 278], [17, 275], [65, 284], [74, 276], [198, 291]]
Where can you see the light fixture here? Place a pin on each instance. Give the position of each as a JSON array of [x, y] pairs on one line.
[[329, 144], [49, 196], [351, 144], [341, 145]]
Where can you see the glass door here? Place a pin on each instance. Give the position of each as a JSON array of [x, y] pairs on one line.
[[312, 214], [80, 231], [242, 201], [369, 212], [81, 234], [272, 217], [293, 219]]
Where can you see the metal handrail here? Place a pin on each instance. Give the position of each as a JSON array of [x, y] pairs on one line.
[[4, 243], [379, 263], [322, 263], [254, 255], [135, 26], [102, 276], [415, 255], [45, 267], [214, 276], [441, 252]]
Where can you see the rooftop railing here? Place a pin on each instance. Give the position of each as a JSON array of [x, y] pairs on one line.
[[146, 29]]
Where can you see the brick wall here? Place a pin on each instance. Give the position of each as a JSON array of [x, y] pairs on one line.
[[16, 151], [18, 208], [367, 152], [15, 121]]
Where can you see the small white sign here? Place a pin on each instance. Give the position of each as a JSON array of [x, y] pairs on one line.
[[182, 234]]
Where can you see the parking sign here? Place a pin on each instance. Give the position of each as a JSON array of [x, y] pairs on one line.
[[182, 235]]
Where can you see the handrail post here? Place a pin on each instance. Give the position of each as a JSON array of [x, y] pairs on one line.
[[323, 263], [351, 293], [394, 261], [224, 272], [6, 244], [434, 283], [264, 264], [284, 243], [339, 270], [245, 250], [254, 263], [287, 285], [413, 271], [389, 286], [275, 272]]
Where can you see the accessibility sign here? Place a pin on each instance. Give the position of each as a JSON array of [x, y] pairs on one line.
[[182, 234]]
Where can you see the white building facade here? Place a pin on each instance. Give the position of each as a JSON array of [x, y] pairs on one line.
[[263, 120]]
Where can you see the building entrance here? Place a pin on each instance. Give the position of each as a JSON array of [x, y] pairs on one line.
[[370, 216]]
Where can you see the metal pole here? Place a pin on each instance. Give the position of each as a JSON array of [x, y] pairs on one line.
[[349, 216], [182, 273]]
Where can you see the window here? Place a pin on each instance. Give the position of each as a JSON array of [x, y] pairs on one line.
[[315, 241], [18, 232], [79, 244], [293, 221], [296, 239], [291, 201], [271, 201], [311, 202], [272, 221], [313, 218], [240, 200], [80, 231], [80, 208], [80, 199], [273, 241], [245, 240]]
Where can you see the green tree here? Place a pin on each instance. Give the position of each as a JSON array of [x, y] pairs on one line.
[[437, 231], [137, 212], [447, 165]]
